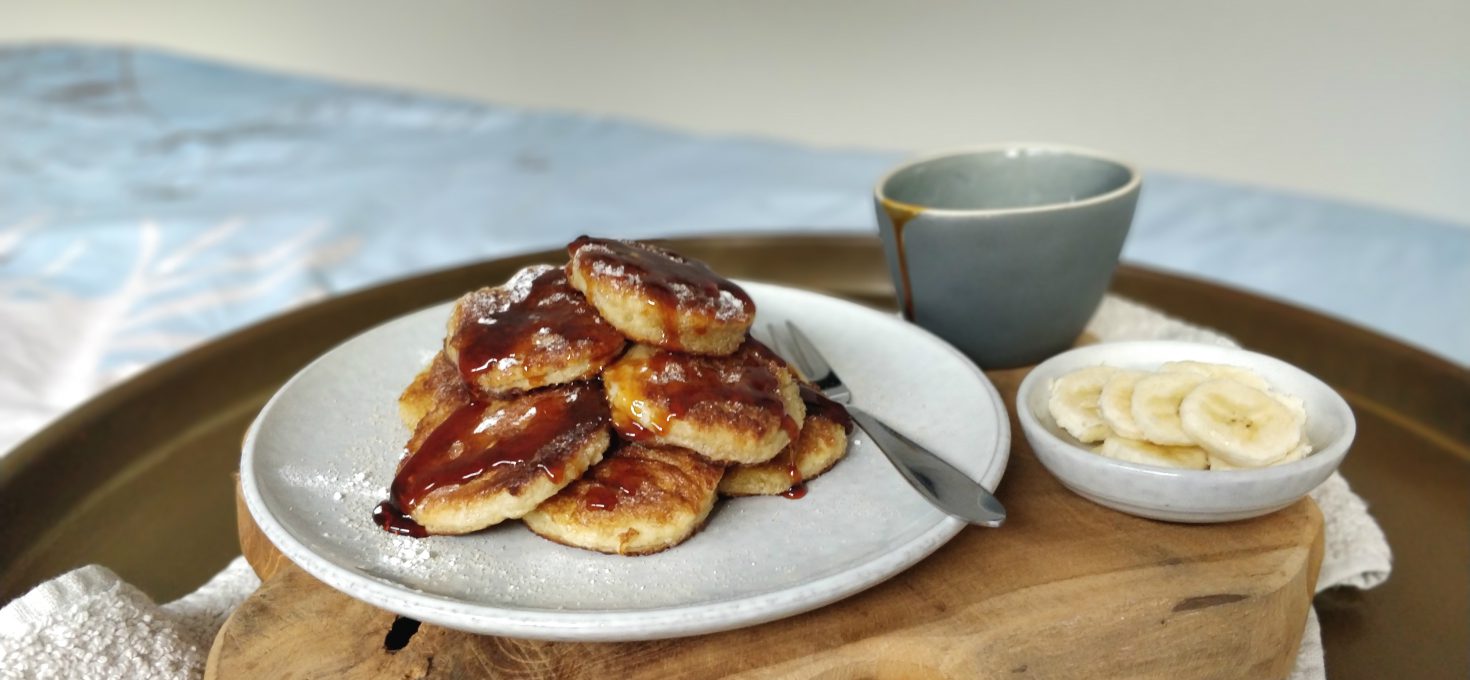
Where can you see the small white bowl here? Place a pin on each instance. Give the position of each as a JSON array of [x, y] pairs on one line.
[[1195, 496]]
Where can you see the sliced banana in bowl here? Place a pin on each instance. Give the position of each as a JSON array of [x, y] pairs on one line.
[[1074, 403], [1213, 412], [1149, 453], [1239, 424], [1115, 403], [1156, 402], [1183, 432]]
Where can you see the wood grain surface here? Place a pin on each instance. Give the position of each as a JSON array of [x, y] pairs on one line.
[[1066, 589]]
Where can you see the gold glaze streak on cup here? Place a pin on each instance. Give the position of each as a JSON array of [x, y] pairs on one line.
[[899, 213]]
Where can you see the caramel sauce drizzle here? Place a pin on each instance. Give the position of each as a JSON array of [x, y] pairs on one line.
[[900, 213], [475, 440], [793, 473], [758, 385], [394, 520], [817, 404], [549, 306], [614, 479]]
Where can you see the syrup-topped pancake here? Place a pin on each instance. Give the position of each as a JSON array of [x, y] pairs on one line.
[[822, 443], [638, 500], [742, 408], [438, 388], [534, 331], [497, 459], [658, 297]]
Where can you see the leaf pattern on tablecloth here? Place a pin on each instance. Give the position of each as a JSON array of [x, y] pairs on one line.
[[74, 328]]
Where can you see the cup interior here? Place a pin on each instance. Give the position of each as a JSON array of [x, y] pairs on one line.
[[1005, 178]]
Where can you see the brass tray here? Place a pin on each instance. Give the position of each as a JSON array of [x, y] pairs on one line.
[[138, 479]]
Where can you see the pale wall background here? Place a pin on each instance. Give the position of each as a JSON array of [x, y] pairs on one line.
[[1368, 101]]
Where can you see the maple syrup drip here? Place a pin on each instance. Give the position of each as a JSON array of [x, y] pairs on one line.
[[665, 277], [900, 214], [614, 479], [793, 473], [395, 521], [789, 425], [511, 325], [534, 429], [819, 405]]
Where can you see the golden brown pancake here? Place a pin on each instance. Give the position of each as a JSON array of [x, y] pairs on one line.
[[638, 500], [438, 387], [534, 331], [742, 408], [658, 297], [492, 460], [822, 443]]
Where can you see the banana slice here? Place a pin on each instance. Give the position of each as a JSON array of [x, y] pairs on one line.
[[1301, 451], [1244, 376], [1155, 406], [1115, 403], [1073, 403], [1144, 453], [1298, 410], [1240, 425]]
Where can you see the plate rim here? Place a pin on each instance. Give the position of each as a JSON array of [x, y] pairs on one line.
[[622, 625]]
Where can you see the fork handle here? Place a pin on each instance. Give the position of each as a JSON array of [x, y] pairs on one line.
[[943, 484]]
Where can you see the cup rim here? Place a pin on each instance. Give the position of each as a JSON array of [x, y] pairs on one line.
[[1134, 179]]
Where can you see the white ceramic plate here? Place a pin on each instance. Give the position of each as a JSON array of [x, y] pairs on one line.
[[322, 452]]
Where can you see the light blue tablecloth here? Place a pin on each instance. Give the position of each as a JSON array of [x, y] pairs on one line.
[[149, 201]]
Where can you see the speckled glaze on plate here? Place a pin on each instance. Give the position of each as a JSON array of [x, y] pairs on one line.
[[323, 450]]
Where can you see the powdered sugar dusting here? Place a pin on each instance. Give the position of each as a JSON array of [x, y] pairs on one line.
[[728, 306], [610, 270], [408, 554], [684, 293], [483, 305], [548, 340], [672, 372], [519, 286]]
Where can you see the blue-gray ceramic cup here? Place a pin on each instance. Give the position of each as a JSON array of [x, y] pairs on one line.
[[1005, 251]]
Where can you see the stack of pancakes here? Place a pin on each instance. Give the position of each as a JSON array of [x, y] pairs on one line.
[[607, 404]]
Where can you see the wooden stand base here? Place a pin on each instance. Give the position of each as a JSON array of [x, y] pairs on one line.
[[1066, 589]]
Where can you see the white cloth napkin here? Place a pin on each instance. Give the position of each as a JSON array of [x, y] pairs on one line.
[[90, 624]]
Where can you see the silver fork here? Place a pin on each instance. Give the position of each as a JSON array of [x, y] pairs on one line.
[[946, 487]]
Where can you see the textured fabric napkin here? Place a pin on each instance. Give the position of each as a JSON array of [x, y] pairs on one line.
[[90, 624]]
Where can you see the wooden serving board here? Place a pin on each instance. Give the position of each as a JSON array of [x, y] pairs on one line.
[[1066, 589]]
